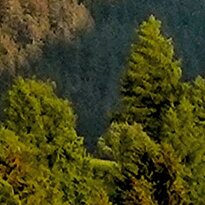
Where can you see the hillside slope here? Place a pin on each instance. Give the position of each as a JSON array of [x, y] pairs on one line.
[[27, 25], [83, 45], [182, 20]]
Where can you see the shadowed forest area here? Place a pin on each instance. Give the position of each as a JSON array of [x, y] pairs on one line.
[[84, 48], [102, 102]]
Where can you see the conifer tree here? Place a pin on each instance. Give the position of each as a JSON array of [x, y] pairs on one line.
[[25, 173], [151, 78], [45, 126], [151, 173], [183, 127]]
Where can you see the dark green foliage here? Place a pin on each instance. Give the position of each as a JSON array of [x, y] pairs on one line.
[[49, 38], [184, 25], [7, 194], [151, 173], [29, 27], [55, 44], [43, 160], [109, 42]]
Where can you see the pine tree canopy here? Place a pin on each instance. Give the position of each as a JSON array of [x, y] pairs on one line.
[[151, 172], [183, 128], [42, 157], [151, 77]]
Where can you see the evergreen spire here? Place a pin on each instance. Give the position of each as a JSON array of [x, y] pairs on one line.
[[151, 77]]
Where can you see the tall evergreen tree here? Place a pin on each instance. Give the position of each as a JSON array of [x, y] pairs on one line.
[[151, 78]]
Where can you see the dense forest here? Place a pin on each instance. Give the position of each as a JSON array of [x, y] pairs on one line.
[[99, 105]]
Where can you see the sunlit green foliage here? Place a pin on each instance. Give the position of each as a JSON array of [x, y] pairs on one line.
[[150, 172], [170, 111], [152, 153], [26, 172], [52, 164], [151, 78], [40, 114], [183, 127]]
